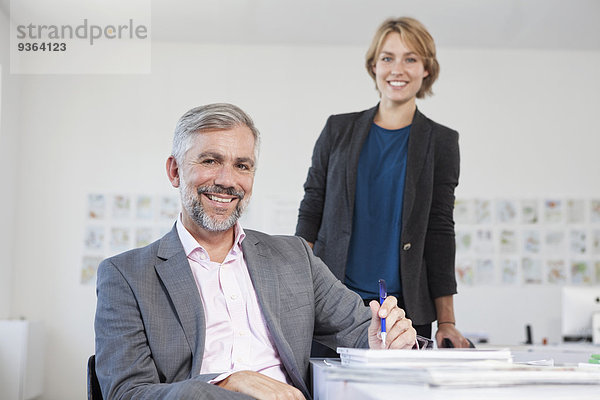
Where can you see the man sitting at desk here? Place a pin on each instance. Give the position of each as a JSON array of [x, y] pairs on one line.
[[212, 309]]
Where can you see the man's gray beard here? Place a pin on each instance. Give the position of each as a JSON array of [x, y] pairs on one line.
[[193, 206]]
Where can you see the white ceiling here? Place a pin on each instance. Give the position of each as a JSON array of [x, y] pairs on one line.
[[534, 24]]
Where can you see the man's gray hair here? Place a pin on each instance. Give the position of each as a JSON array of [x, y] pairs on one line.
[[210, 117]]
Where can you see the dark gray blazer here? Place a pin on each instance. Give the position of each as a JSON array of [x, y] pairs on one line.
[[150, 326], [428, 243]]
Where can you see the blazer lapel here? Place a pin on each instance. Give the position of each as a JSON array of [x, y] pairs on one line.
[[263, 273], [176, 275], [360, 131], [418, 146]]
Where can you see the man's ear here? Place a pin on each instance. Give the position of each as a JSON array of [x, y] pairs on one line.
[[173, 171]]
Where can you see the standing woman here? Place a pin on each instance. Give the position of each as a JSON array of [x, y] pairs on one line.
[[379, 196]]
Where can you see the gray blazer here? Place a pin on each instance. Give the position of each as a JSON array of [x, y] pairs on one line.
[[428, 243], [150, 324]]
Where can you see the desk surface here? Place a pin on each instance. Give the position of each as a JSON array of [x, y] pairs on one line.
[[326, 388]]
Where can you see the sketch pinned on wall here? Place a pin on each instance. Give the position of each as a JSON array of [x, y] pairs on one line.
[[575, 211], [94, 237], [121, 206], [529, 211], [96, 206], [553, 211], [484, 241], [595, 249], [581, 272], [119, 222], [506, 211], [556, 271], [169, 208], [89, 266], [531, 241], [464, 271], [463, 211], [578, 241], [553, 241], [509, 271], [464, 241], [144, 207], [532, 271], [595, 211], [508, 241], [485, 271], [483, 211]]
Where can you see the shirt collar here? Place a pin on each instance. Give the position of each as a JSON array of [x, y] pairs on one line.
[[190, 244]]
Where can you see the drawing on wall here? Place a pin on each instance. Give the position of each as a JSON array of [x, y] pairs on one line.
[[463, 211], [89, 266], [551, 240], [578, 239], [464, 241], [144, 207], [553, 211], [596, 242], [595, 211], [464, 271], [508, 241], [555, 242], [485, 271], [484, 243], [529, 211], [96, 206], [532, 270], [509, 269], [531, 242], [575, 211], [119, 222], [581, 272], [483, 211], [121, 207], [556, 271], [506, 211]]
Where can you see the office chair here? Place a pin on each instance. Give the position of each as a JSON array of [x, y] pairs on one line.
[[93, 387]]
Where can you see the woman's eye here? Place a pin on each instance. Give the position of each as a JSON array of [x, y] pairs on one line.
[[386, 59]]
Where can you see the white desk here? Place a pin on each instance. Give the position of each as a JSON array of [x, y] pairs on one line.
[[327, 388]]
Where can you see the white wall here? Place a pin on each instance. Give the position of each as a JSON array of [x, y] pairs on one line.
[[526, 120], [9, 100]]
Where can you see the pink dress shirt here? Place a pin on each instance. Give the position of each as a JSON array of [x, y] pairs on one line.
[[237, 337]]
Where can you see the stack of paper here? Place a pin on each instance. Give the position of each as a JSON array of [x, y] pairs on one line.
[[397, 358], [451, 368]]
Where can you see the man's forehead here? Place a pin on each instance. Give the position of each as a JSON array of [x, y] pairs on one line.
[[238, 141]]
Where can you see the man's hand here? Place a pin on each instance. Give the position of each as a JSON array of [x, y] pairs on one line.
[[449, 331], [400, 333], [260, 386]]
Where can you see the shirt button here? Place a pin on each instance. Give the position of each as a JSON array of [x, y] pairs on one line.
[[202, 256], [233, 296], [406, 246]]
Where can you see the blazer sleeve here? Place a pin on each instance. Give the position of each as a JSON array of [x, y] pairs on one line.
[[124, 363], [440, 245], [311, 207]]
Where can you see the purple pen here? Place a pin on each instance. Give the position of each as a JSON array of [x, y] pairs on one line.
[[382, 296]]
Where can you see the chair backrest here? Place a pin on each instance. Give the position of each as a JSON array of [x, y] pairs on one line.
[[93, 387]]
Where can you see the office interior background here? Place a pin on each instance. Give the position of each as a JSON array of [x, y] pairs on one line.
[[519, 81]]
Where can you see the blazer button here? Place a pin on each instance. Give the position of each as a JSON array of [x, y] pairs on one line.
[[406, 246]]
